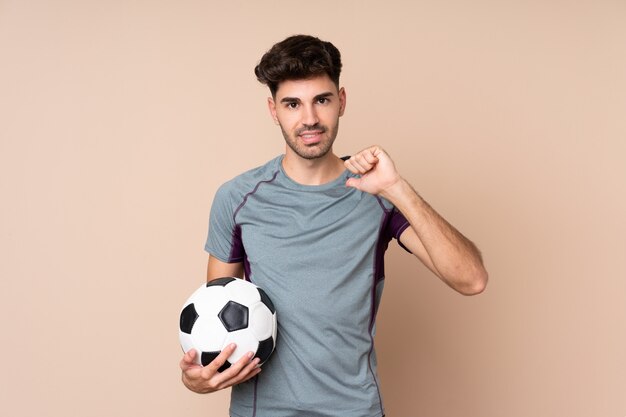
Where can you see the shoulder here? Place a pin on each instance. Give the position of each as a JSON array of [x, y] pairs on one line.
[[238, 187]]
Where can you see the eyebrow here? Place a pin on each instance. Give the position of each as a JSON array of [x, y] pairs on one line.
[[297, 100]]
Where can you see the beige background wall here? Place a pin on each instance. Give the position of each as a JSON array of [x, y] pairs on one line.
[[119, 119]]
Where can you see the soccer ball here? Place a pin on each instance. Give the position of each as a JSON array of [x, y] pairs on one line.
[[224, 311]]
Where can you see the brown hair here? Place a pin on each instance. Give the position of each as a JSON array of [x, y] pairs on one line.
[[298, 57]]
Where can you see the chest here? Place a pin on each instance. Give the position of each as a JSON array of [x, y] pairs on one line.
[[322, 229]]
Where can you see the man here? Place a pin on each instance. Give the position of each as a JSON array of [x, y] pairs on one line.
[[311, 229]]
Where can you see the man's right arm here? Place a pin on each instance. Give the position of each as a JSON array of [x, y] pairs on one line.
[[207, 379], [218, 269]]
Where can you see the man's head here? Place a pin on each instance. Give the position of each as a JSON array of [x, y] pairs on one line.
[[298, 57], [302, 73]]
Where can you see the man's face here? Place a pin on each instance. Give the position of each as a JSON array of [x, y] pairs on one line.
[[308, 113]]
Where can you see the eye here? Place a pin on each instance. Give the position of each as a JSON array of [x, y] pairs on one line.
[[323, 100], [292, 105]]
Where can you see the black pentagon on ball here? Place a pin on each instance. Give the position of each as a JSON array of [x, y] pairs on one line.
[[220, 281], [265, 349], [234, 316], [266, 300], [207, 357], [188, 317]]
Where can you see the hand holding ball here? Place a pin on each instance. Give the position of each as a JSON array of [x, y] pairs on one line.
[[224, 311]]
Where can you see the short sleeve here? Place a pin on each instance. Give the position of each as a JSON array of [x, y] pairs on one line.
[[224, 236], [396, 225]]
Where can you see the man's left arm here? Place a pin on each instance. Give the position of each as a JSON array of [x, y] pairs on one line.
[[442, 248]]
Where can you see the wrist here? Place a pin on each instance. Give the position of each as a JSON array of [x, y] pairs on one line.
[[402, 195], [396, 190]]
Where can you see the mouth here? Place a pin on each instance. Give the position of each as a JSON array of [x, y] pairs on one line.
[[310, 137]]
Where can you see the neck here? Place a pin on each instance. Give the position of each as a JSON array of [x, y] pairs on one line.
[[312, 171]]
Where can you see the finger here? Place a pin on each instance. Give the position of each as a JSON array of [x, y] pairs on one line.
[[355, 167], [353, 182], [212, 368], [251, 375], [370, 157], [363, 160], [350, 167], [187, 360], [234, 370], [248, 370]]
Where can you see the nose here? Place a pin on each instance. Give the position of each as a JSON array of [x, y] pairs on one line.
[[309, 116]]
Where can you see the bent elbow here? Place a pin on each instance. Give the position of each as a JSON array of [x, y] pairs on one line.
[[477, 284]]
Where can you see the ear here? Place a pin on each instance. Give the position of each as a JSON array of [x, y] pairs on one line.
[[271, 105], [342, 101]]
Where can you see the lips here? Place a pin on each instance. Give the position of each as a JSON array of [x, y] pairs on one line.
[[311, 136]]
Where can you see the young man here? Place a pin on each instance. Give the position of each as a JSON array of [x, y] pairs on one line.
[[311, 229]]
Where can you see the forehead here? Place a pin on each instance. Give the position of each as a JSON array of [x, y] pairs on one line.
[[306, 88]]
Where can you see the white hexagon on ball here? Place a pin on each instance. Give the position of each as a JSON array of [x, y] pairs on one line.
[[261, 321], [208, 334], [242, 292]]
